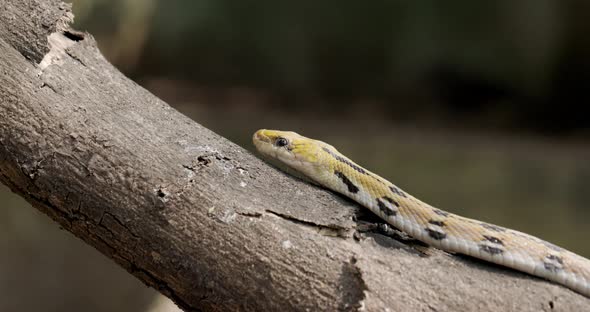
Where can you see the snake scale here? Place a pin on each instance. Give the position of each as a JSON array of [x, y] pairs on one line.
[[323, 164]]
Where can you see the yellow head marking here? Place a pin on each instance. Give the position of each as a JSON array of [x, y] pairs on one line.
[[287, 146]]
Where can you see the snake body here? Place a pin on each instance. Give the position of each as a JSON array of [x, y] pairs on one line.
[[323, 164]]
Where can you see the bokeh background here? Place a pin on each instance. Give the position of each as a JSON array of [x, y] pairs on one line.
[[480, 108]]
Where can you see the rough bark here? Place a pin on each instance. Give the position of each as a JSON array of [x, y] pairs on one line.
[[192, 214]]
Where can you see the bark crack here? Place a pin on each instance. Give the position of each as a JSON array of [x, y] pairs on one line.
[[120, 223], [251, 214], [326, 230]]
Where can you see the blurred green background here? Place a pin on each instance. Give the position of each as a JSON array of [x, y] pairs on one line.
[[479, 108]]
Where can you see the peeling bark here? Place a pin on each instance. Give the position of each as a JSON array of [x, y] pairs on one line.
[[197, 217]]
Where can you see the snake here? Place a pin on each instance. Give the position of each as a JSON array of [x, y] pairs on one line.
[[324, 165]]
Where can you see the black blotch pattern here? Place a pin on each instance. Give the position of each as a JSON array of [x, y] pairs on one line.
[[436, 234], [390, 200], [555, 258], [386, 210], [491, 250], [397, 191], [440, 212], [345, 161], [550, 263], [351, 187], [551, 267], [492, 227], [437, 222], [494, 240]]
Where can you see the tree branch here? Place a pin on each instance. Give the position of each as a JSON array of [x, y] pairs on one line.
[[192, 214]]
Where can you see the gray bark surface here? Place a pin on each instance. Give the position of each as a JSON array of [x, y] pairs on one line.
[[197, 217]]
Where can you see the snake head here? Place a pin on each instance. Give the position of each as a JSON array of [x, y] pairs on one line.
[[296, 151]]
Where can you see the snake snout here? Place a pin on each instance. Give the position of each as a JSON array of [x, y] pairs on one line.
[[260, 135]]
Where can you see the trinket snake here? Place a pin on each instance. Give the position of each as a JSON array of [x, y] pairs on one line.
[[323, 164]]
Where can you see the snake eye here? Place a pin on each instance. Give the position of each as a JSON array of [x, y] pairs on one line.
[[280, 142]]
